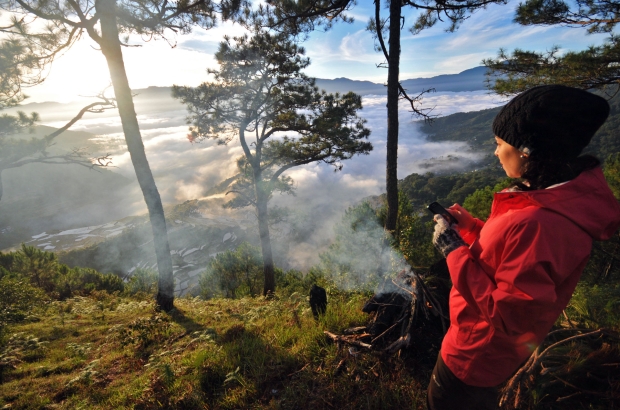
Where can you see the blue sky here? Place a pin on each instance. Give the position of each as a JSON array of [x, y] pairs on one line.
[[434, 51], [347, 50]]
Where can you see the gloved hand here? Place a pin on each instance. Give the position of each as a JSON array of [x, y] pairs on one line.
[[445, 238]]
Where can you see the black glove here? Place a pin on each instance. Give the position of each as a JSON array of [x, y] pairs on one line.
[[446, 239]]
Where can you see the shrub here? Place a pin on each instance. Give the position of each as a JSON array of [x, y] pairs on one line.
[[142, 281], [595, 306], [479, 203], [85, 280], [40, 267], [357, 257], [233, 274], [18, 299], [612, 173], [294, 281]]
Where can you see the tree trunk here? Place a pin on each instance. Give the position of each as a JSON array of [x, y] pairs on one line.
[[111, 48], [1, 189], [262, 198], [391, 178]]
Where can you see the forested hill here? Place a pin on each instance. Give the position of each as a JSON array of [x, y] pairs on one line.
[[475, 128]]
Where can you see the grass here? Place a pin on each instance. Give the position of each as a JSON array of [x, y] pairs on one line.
[[107, 351]]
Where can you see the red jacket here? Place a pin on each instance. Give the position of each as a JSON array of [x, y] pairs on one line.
[[520, 272]]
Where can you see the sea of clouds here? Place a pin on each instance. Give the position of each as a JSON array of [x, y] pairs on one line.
[[185, 171]]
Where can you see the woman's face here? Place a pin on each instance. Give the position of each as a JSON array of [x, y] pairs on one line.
[[512, 159]]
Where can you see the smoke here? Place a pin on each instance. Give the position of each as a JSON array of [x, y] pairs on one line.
[[360, 256]]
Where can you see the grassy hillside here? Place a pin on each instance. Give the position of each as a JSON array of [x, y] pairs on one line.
[[107, 351]]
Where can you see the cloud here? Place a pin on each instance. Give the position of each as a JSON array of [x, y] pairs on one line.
[[185, 171], [453, 64], [202, 46], [358, 47]]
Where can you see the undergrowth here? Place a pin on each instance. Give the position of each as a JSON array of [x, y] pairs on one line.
[[109, 351]]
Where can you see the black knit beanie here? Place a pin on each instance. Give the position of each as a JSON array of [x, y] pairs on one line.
[[551, 120]]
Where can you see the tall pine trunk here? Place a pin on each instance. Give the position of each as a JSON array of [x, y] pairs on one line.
[[111, 48], [262, 197], [391, 177]]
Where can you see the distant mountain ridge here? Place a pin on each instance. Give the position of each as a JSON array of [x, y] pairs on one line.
[[468, 80], [472, 79]]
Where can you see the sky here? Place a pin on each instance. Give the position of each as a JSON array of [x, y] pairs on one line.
[[347, 50]]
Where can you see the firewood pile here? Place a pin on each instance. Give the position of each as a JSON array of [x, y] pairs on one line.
[[408, 312]]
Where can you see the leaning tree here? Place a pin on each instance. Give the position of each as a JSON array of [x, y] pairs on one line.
[[258, 95], [105, 21]]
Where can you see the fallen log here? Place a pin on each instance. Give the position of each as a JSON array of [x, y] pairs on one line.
[[347, 340]]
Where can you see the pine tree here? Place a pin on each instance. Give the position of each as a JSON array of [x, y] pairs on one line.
[[259, 92]]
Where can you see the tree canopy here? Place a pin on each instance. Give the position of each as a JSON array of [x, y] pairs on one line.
[[597, 66], [302, 16]]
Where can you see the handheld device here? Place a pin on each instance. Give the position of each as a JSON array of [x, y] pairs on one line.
[[436, 208]]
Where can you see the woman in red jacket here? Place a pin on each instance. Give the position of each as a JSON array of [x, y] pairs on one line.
[[513, 275]]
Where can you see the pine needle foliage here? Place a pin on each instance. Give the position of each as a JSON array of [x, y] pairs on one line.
[[595, 67]]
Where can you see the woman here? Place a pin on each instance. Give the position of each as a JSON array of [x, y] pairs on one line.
[[513, 275]]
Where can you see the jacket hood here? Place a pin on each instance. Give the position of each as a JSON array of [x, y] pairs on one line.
[[586, 200]]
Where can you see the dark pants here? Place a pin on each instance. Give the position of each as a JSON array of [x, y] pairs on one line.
[[447, 392]]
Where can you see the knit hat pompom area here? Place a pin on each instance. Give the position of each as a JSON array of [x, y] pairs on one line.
[[551, 120]]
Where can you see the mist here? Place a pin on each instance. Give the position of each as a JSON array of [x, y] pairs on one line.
[[187, 171]]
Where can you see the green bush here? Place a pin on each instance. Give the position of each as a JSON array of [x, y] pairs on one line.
[[359, 255], [18, 300], [143, 281], [595, 306], [234, 274], [40, 267], [612, 173], [479, 203], [85, 280], [294, 281], [43, 271]]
